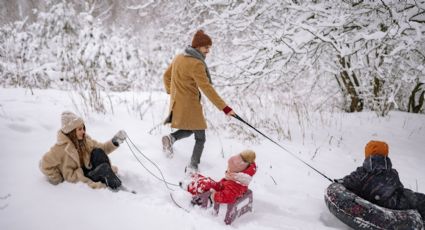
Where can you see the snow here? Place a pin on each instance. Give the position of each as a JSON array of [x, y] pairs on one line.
[[287, 193]]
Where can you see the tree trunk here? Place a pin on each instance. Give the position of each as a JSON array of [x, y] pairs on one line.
[[414, 107], [348, 86]]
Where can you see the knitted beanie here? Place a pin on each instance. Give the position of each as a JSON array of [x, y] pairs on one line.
[[373, 148], [201, 39], [236, 164], [248, 156], [70, 121]]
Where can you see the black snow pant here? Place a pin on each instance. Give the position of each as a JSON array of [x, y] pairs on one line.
[[199, 144], [407, 199], [98, 157], [101, 169]]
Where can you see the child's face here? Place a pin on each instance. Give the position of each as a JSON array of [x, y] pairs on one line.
[[228, 170]]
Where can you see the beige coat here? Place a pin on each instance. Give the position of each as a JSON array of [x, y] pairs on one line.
[[182, 80], [61, 162]]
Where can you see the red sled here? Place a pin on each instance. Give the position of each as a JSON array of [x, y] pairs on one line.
[[234, 210]]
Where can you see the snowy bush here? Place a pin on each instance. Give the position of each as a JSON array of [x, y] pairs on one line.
[[280, 62], [67, 49]]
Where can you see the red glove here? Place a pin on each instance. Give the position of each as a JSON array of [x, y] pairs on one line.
[[227, 110]]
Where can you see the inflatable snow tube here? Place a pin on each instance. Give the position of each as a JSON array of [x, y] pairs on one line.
[[359, 213]]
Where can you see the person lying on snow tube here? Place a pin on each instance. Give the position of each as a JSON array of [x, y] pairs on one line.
[[240, 170], [377, 182]]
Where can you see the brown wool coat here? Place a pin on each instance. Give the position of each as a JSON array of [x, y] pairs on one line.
[[182, 80], [61, 162]]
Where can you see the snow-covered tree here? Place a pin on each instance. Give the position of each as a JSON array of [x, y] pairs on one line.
[[376, 49], [64, 48], [318, 55]]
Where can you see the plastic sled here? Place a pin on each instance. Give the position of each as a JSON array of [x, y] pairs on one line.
[[359, 213], [241, 206]]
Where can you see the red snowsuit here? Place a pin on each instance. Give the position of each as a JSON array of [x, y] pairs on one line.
[[227, 189]]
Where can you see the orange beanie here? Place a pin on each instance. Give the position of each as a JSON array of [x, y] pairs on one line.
[[373, 148], [201, 39]]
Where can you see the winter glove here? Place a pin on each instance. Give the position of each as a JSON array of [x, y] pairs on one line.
[[119, 138], [228, 111]]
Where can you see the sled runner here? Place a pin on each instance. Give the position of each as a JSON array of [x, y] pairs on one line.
[[359, 213], [241, 206]]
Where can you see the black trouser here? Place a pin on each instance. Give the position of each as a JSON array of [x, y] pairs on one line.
[[412, 200], [199, 143], [98, 156], [420, 204]]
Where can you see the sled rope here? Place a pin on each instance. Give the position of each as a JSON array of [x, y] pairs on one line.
[[153, 163], [177, 204], [292, 154], [166, 183]]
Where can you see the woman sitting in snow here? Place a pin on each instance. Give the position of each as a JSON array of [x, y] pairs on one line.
[[377, 182], [76, 157], [240, 170]]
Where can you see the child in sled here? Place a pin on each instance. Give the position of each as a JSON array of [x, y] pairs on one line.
[[377, 182], [75, 157], [240, 170]]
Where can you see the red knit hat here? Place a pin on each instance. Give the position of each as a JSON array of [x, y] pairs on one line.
[[201, 39], [373, 148]]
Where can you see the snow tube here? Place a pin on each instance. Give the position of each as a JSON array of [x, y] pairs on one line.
[[359, 213]]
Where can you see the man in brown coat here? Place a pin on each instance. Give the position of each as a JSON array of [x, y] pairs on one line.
[[183, 80]]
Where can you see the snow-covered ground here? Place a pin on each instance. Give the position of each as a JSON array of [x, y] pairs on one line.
[[287, 194]]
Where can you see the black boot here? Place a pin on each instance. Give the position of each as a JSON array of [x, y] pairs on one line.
[[104, 174]]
